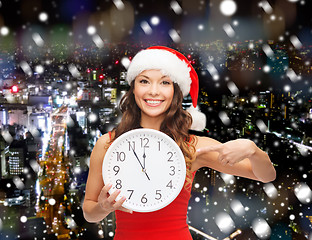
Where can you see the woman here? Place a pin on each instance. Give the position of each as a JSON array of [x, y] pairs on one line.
[[159, 78]]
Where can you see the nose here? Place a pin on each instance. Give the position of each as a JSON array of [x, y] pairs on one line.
[[154, 89]]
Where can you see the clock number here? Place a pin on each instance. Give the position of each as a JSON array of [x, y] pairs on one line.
[[169, 185], [131, 192], [171, 155], [121, 156], [144, 142], [116, 169], [158, 145], [172, 170], [118, 184], [158, 197], [143, 199], [131, 145]]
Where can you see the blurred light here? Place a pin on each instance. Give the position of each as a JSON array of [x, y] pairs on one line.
[[68, 86], [52, 201], [38, 39], [119, 4], [23, 219], [287, 88], [295, 41], [98, 41], [201, 27], [224, 222], [14, 89], [73, 70], [91, 30], [213, 71], [233, 88], [267, 50], [229, 30], [226, 121], [39, 69], [303, 193], [92, 117], [18, 183], [261, 125], [146, 28], [228, 7], [266, 6], [43, 16], [266, 68], [237, 208], [270, 189], [155, 20], [174, 35], [125, 62], [176, 7], [4, 31], [26, 68], [261, 228]]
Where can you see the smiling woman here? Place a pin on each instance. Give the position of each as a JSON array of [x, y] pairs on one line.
[[159, 78]]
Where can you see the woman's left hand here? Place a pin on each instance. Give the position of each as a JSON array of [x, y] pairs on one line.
[[231, 152]]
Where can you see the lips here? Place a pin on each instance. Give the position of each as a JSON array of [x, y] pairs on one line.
[[153, 102]]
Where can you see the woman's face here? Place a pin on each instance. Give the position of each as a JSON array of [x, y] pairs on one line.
[[153, 93]]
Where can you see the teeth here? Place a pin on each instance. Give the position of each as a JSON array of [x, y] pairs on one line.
[[152, 102]]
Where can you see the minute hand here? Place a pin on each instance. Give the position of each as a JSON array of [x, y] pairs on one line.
[[140, 163]]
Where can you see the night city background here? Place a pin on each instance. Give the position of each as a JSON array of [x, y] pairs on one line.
[[62, 73]]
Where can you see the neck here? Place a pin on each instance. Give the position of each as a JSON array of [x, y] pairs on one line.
[[151, 122]]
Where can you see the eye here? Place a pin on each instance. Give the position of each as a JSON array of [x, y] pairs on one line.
[[143, 81], [165, 82]]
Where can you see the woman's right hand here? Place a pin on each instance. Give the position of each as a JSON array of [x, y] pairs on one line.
[[108, 202]]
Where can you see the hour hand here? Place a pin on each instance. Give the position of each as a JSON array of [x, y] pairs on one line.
[[144, 156]]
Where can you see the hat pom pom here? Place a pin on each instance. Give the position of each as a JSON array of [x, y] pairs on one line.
[[199, 119]]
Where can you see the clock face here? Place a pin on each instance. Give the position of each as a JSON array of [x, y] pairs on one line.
[[147, 166]]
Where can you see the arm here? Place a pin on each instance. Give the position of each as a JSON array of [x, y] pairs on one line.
[[98, 203], [239, 157]]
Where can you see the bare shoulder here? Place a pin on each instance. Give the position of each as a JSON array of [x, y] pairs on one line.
[[204, 142], [103, 141], [100, 148]]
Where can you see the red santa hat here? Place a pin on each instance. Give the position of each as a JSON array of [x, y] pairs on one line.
[[178, 68]]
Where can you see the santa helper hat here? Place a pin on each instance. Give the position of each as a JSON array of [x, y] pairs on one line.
[[178, 68]]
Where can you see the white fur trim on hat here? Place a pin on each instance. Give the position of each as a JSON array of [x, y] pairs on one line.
[[163, 60], [199, 119]]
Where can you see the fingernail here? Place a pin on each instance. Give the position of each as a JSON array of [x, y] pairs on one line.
[[131, 212]]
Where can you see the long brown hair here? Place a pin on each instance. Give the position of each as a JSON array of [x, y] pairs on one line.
[[176, 124]]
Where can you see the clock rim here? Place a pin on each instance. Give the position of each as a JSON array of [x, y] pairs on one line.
[[151, 131]]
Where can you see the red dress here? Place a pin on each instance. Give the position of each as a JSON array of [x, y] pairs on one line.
[[168, 223]]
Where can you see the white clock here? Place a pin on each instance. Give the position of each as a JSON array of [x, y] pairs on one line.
[[147, 166]]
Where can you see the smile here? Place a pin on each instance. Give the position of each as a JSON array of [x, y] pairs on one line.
[[153, 102]]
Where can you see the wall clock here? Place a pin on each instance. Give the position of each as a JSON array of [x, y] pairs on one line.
[[147, 166]]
